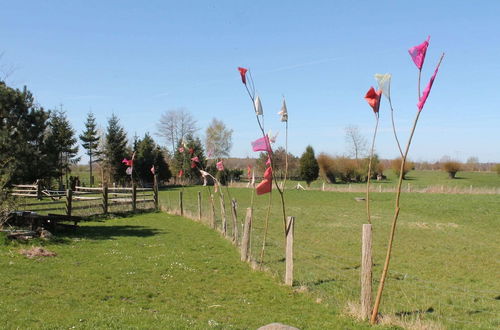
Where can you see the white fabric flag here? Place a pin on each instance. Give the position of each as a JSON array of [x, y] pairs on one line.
[[384, 83], [284, 112], [258, 106]]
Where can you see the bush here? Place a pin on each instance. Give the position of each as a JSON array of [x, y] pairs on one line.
[[396, 167], [452, 167], [327, 168], [497, 168], [309, 168]]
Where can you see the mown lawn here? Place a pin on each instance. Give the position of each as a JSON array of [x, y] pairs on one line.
[[445, 261], [150, 271]]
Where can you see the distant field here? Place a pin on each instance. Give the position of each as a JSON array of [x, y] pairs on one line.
[[445, 264]]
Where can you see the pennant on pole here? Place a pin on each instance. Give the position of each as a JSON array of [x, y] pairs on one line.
[[373, 99], [258, 106], [427, 89], [153, 169], [284, 112], [220, 166], [243, 73], [262, 144], [267, 184], [417, 53], [384, 83]]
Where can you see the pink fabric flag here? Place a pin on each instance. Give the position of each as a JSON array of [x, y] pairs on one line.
[[220, 166], [127, 162], [195, 159], [427, 89], [262, 144], [417, 53], [268, 161], [249, 172], [193, 164], [373, 99], [243, 73], [153, 169], [181, 173], [181, 149], [267, 184]]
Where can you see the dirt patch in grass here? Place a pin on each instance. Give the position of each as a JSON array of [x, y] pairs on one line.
[[37, 252]]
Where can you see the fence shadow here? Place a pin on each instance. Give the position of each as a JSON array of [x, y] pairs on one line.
[[108, 232]]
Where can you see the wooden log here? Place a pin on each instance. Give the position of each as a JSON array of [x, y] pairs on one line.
[[69, 201], [134, 197], [223, 215], [32, 186], [366, 272], [24, 195], [235, 221], [181, 207], [199, 205], [245, 240], [83, 198], [78, 188], [105, 199], [290, 225], [213, 218]]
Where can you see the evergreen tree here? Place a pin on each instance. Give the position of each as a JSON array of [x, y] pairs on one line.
[[149, 155], [309, 168], [90, 142], [115, 150], [22, 141], [61, 145], [186, 150]]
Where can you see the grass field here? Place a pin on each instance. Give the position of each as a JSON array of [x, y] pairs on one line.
[[445, 262], [143, 272]]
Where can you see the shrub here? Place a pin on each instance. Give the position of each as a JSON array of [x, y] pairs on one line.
[[497, 168], [309, 168], [327, 168], [452, 167], [396, 167]]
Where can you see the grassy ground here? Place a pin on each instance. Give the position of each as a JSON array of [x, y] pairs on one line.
[[143, 272], [445, 263]]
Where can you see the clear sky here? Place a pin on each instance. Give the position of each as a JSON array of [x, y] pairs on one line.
[[139, 59]]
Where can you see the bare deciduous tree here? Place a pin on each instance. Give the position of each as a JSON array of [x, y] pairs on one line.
[[218, 139], [176, 124], [356, 143]]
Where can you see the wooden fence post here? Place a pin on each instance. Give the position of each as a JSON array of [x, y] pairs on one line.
[[155, 192], [39, 189], [289, 251], [69, 200], [105, 198], [366, 272], [223, 215], [235, 221], [134, 197], [199, 205], [181, 207], [213, 219], [245, 240]]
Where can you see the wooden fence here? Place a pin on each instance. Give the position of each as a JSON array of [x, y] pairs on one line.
[[98, 200]]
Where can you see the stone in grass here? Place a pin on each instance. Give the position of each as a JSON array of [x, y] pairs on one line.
[[277, 326]]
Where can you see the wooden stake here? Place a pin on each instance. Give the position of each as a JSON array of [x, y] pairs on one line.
[[366, 272], [223, 215], [245, 240], [134, 197], [69, 201], [235, 221], [155, 192], [214, 220], [105, 198], [289, 251], [199, 205], [39, 189], [181, 208]]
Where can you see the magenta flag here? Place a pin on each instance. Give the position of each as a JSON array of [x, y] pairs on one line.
[[262, 144], [417, 53], [427, 90]]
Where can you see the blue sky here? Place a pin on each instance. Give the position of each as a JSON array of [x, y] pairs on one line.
[[140, 59]]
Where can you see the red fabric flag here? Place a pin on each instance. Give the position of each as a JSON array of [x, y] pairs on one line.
[[191, 151], [262, 144], [220, 166], [373, 99], [243, 73], [417, 53], [249, 172], [267, 184], [195, 159], [427, 89], [181, 173], [193, 164], [127, 162]]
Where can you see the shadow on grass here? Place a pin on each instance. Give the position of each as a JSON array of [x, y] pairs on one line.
[[108, 232]]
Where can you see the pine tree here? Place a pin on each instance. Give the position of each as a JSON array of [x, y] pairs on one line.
[[309, 168], [191, 147], [90, 142], [148, 155], [116, 149], [22, 140], [62, 144]]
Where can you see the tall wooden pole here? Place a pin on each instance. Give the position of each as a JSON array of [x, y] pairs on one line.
[[289, 251], [366, 272]]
